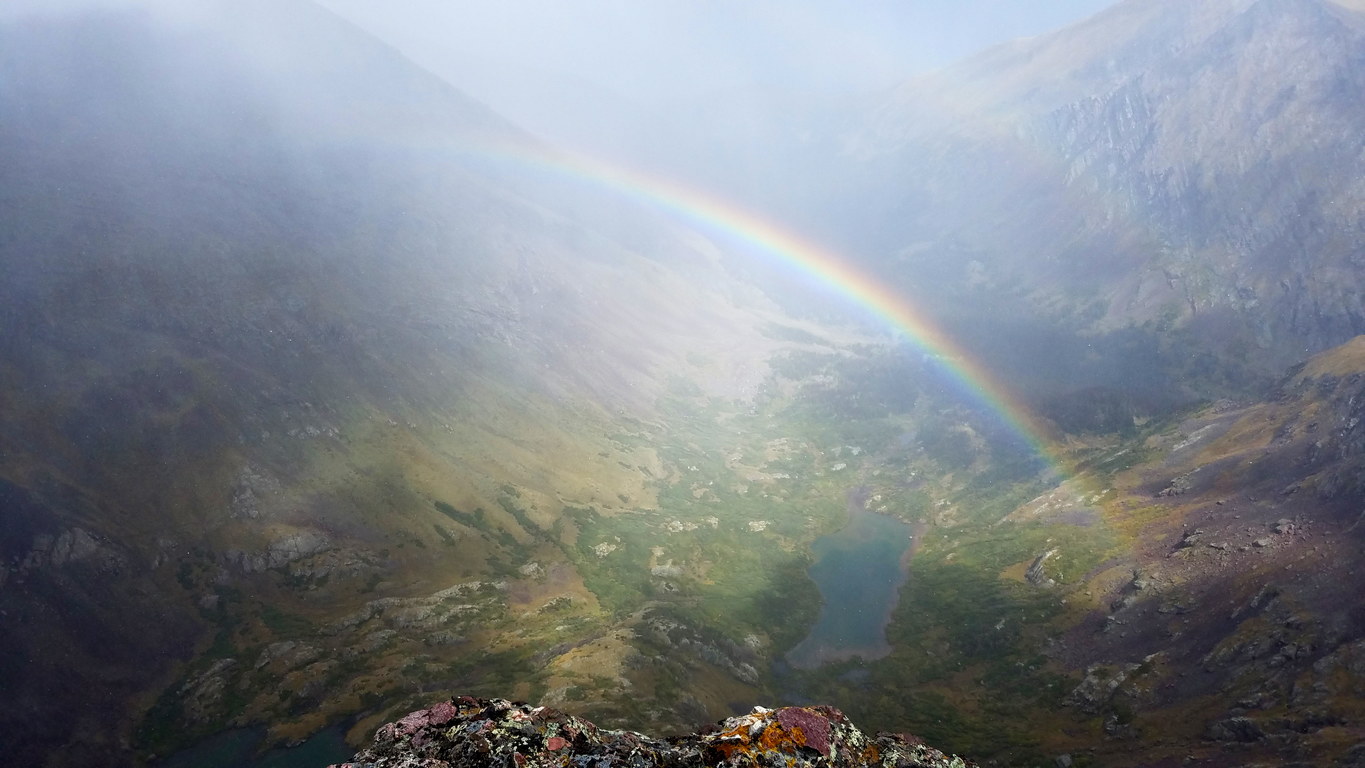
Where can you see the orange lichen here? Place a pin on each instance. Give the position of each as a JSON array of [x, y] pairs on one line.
[[733, 741], [776, 739], [771, 739]]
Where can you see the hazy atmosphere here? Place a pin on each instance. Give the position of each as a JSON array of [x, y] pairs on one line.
[[657, 53], [682, 383], [647, 82]]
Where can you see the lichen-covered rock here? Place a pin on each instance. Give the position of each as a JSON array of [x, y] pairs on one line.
[[467, 732]]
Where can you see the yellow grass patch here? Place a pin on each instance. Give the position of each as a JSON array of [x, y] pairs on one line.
[[1344, 360]]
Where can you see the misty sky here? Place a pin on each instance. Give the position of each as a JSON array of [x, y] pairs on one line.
[[655, 51], [569, 69]]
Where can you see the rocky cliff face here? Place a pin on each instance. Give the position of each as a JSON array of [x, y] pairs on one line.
[[1234, 618], [1189, 169], [479, 732]]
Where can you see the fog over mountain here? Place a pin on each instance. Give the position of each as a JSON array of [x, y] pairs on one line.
[[710, 92], [659, 54], [684, 359]]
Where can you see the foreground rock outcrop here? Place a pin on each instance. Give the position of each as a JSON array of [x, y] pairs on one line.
[[494, 732]]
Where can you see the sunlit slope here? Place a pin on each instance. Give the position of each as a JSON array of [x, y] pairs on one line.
[[1191, 592], [276, 347], [1162, 178], [1234, 615]]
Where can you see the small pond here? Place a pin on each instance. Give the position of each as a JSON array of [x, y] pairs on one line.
[[859, 570]]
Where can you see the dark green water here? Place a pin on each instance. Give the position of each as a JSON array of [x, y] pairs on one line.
[[237, 749], [859, 572]]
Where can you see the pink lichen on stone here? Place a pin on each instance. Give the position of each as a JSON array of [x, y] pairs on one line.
[[478, 733], [413, 721], [814, 727], [442, 713]]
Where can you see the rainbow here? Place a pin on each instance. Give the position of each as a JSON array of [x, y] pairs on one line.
[[709, 213]]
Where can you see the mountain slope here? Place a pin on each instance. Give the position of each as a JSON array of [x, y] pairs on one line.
[[1189, 171], [1189, 595], [1235, 615], [316, 403], [277, 344]]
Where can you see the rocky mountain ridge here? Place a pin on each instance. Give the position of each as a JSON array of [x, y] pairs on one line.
[[1187, 172], [310, 412], [1239, 587], [477, 732]]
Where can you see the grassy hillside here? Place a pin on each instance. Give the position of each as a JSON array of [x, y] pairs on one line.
[[308, 417]]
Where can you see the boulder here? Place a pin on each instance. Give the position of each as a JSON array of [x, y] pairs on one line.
[[466, 732]]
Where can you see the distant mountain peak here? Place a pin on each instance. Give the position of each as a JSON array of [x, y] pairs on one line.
[[1193, 160]]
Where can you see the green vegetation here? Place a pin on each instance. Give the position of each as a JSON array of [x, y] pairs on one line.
[[721, 545], [445, 535], [160, 730], [967, 629], [283, 624], [477, 521], [509, 501]]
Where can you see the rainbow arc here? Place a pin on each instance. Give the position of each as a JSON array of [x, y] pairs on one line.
[[709, 213]]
